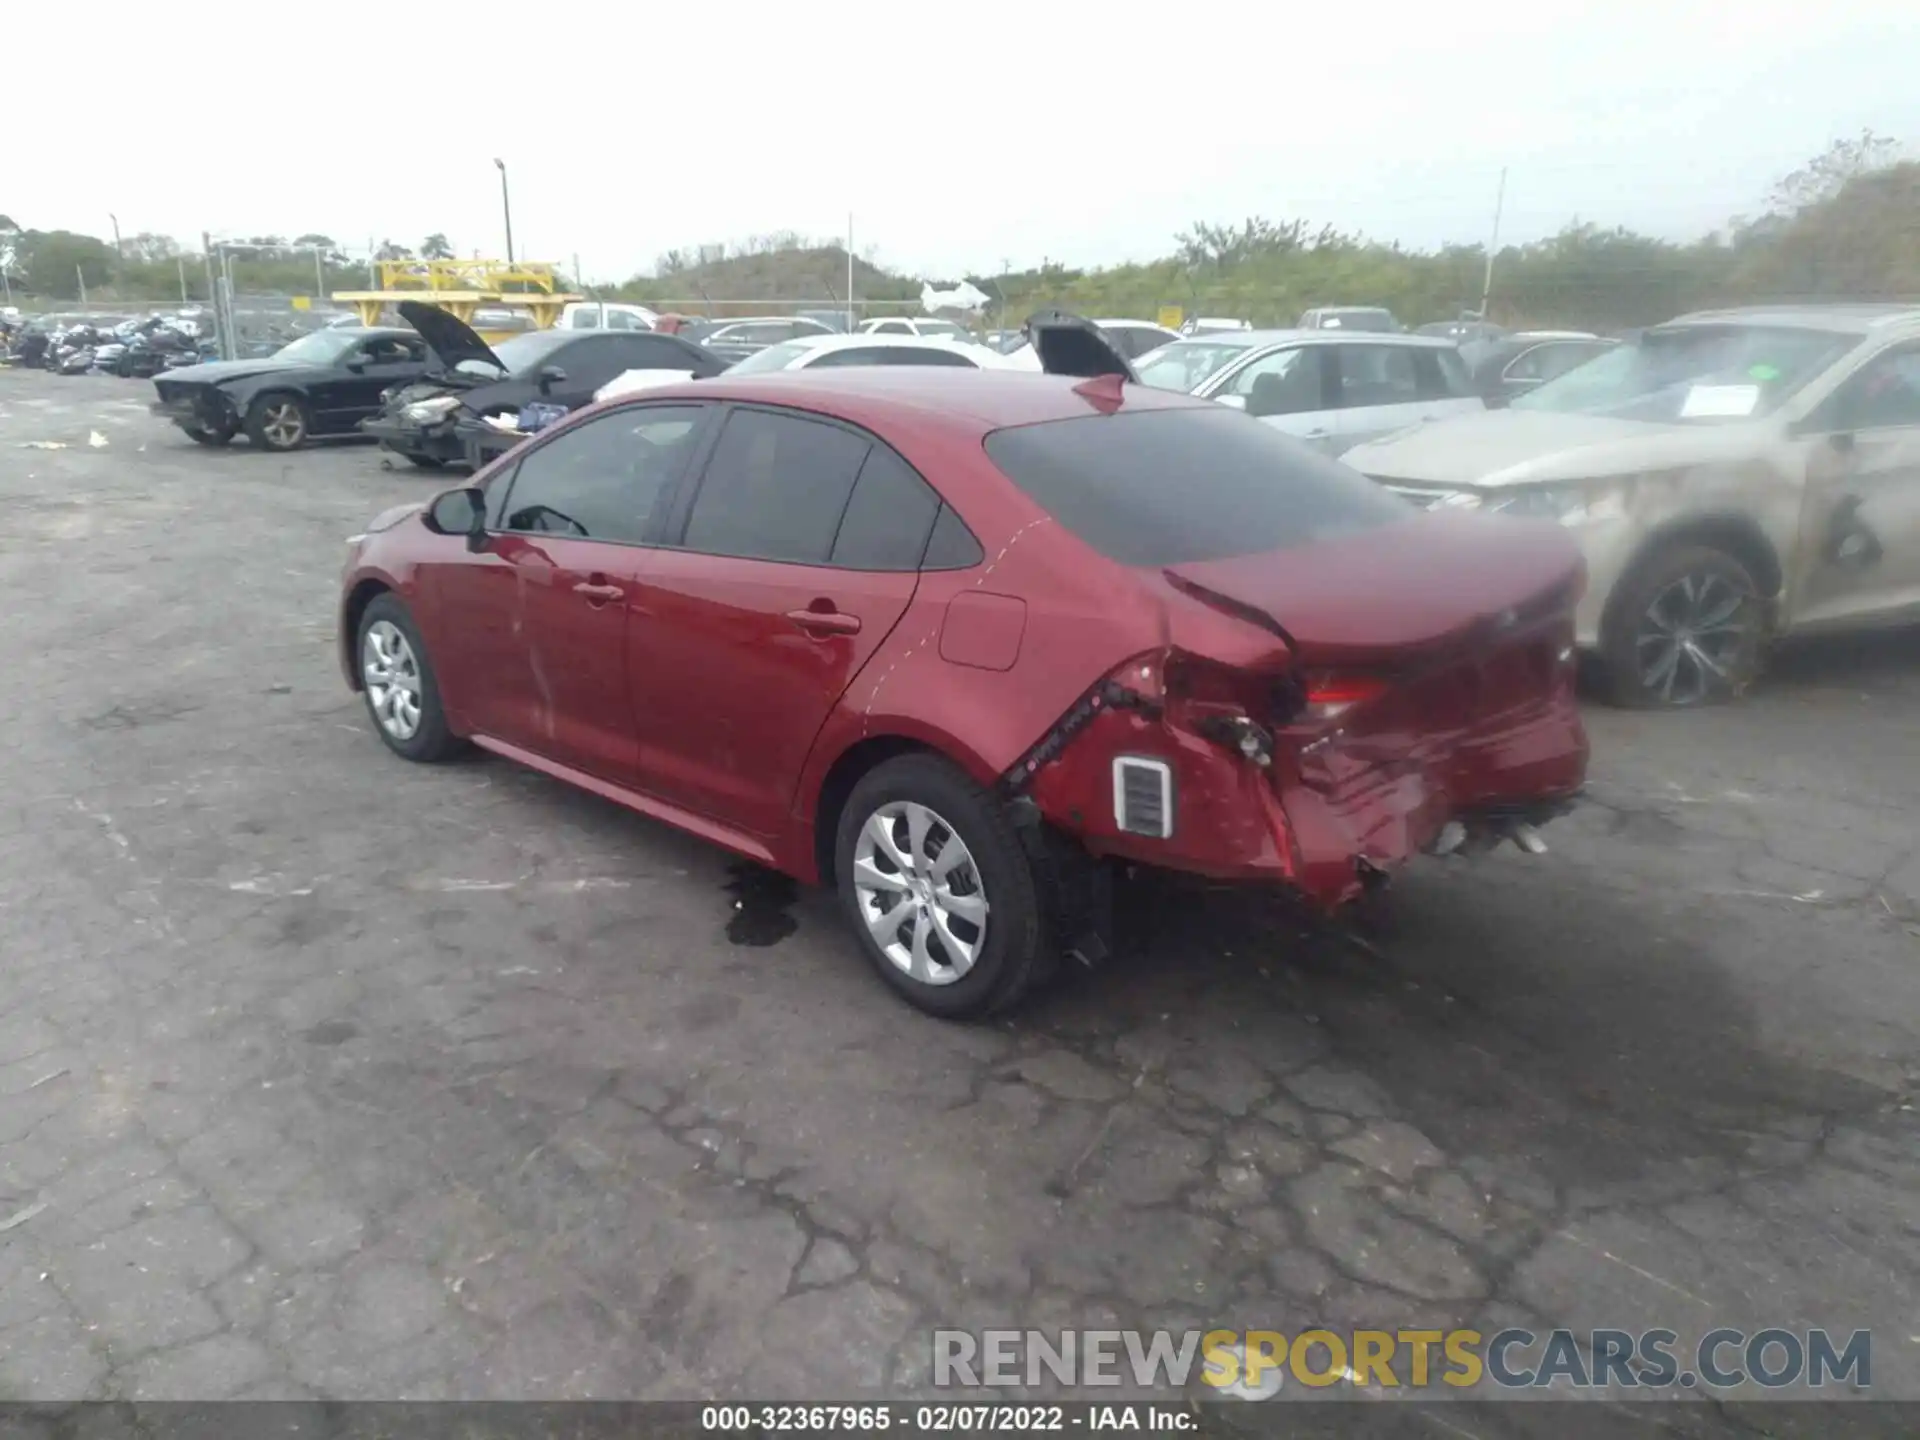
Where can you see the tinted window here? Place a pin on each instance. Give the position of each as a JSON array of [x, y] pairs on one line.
[[915, 355], [392, 350], [1377, 375], [952, 546], [775, 488], [1165, 487], [1886, 392], [890, 327], [886, 522], [602, 480], [853, 355], [1440, 374], [648, 351]]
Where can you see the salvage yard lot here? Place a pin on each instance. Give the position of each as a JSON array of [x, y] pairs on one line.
[[323, 1074]]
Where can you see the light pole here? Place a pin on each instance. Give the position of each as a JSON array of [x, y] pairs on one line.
[[506, 205]]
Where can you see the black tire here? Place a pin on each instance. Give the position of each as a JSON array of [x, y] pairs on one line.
[[431, 742], [200, 435], [279, 421], [1009, 960], [1631, 639]]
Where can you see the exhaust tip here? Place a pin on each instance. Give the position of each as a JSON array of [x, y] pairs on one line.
[[1451, 837], [1529, 839]]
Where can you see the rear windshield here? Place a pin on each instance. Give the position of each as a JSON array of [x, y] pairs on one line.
[[1172, 487]]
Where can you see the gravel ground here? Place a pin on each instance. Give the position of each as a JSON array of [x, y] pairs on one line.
[[326, 1076]]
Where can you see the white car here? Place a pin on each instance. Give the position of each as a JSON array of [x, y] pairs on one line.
[[870, 347], [1333, 389], [1132, 338], [926, 325], [605, 315], [811, 350]]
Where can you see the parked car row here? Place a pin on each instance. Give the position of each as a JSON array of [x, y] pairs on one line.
[[1715, 469], [1228, 652]]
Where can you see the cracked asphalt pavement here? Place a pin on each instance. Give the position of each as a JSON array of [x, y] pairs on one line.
[[322, 1075]]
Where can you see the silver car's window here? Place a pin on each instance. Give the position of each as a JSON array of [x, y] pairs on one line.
[[1186, 365], [1884, 395]]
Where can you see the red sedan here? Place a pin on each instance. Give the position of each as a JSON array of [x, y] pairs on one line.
[[949, 640]]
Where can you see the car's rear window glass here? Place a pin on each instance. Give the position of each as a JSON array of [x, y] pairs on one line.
[[1170, 487]]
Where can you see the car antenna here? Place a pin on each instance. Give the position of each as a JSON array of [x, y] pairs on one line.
[[1106, 393]]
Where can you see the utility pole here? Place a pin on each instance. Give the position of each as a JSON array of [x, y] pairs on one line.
[[180, 261], [852, 322], [506, 205], [206, 254], [1493, 245], [79, 275], [319, 276]]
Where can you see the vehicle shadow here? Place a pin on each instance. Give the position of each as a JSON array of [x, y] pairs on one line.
[[1521, 1011], [1873, 658]]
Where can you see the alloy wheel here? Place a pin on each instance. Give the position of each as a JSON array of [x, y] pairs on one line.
[[392, 675], [920, 892], [283, 425], [1690, 637]]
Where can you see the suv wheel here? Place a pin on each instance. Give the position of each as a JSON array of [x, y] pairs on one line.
[[938, 888], [1686, 628]]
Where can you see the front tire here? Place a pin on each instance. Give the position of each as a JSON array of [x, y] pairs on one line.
[[201, 435], [1685, 628], [939, 889], [279, 422], [402, 695]]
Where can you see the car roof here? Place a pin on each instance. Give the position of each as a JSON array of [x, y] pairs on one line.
[[1259, 339], [966, 400], [867, 339], [1843, 317]]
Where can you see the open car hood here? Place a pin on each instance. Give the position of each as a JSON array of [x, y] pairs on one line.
[[1069, 345], [450, 338]]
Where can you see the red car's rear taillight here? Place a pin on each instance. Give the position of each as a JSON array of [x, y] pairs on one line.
[[1330, 695]]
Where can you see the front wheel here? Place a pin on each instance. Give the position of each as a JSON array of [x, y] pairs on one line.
[[201, 435], [1685, 628], [279, 422], [403, 697], [939, 889]]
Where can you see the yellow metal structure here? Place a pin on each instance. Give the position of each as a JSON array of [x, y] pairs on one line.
[[464, 287]]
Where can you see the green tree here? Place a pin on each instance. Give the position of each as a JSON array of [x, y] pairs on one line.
[[436, 247]]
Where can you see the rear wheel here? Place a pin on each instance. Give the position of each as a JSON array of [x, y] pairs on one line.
[[939, 889], [279, 422], [1685, 628]]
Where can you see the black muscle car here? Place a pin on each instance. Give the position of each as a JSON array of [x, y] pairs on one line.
[[439, 420], [322, 384]]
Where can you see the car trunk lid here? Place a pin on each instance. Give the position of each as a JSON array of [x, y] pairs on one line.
[[1429, 677]]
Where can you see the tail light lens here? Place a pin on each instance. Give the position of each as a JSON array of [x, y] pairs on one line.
[[1330, 696]]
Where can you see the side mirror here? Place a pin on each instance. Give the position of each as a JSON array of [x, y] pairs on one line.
[[549, 376], [460, 512]]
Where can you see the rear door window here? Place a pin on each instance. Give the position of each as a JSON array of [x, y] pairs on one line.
[[1170, 487], [887, 521], [775, 488], [1376, 375]]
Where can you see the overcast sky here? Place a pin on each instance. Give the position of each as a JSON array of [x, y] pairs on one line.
[[959, 136]]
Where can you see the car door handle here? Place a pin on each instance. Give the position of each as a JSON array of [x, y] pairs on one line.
[[825, 622], [598, 592]]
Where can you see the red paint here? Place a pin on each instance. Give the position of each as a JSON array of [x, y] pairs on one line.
[[718, 694], [983, 630]]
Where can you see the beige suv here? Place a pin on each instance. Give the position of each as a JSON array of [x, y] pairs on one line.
[[1732, 476]]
